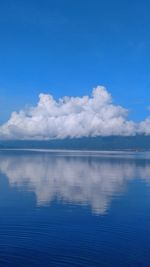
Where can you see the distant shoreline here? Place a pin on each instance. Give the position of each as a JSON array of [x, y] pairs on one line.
[[139, 143]]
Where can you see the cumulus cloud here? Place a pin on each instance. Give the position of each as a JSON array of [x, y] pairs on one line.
[[144, 126], [70, 117]]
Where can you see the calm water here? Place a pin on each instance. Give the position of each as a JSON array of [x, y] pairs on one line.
[[74, 209]]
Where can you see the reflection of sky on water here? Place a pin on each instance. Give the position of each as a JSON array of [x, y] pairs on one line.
[[84, 180]]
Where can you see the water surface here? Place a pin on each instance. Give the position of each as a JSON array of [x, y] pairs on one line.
[[88, 209]]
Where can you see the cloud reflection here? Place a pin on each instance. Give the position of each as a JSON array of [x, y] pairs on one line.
[[87, 180]]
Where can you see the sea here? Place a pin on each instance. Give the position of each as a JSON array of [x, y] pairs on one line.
[[61, 208]]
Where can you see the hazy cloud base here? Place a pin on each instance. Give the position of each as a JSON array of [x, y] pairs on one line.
[[72, 117]]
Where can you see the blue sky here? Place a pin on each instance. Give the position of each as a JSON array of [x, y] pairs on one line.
[[67, 47]]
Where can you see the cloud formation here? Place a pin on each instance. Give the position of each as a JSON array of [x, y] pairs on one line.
[[72, 117]]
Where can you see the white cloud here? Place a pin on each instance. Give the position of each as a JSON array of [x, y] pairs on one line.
[[144, 126], [69, 117], [72, 117]]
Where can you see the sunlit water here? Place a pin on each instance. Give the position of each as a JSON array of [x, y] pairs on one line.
[[86, 209]]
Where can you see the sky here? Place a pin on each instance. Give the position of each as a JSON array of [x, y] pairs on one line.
[[67, 48]]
